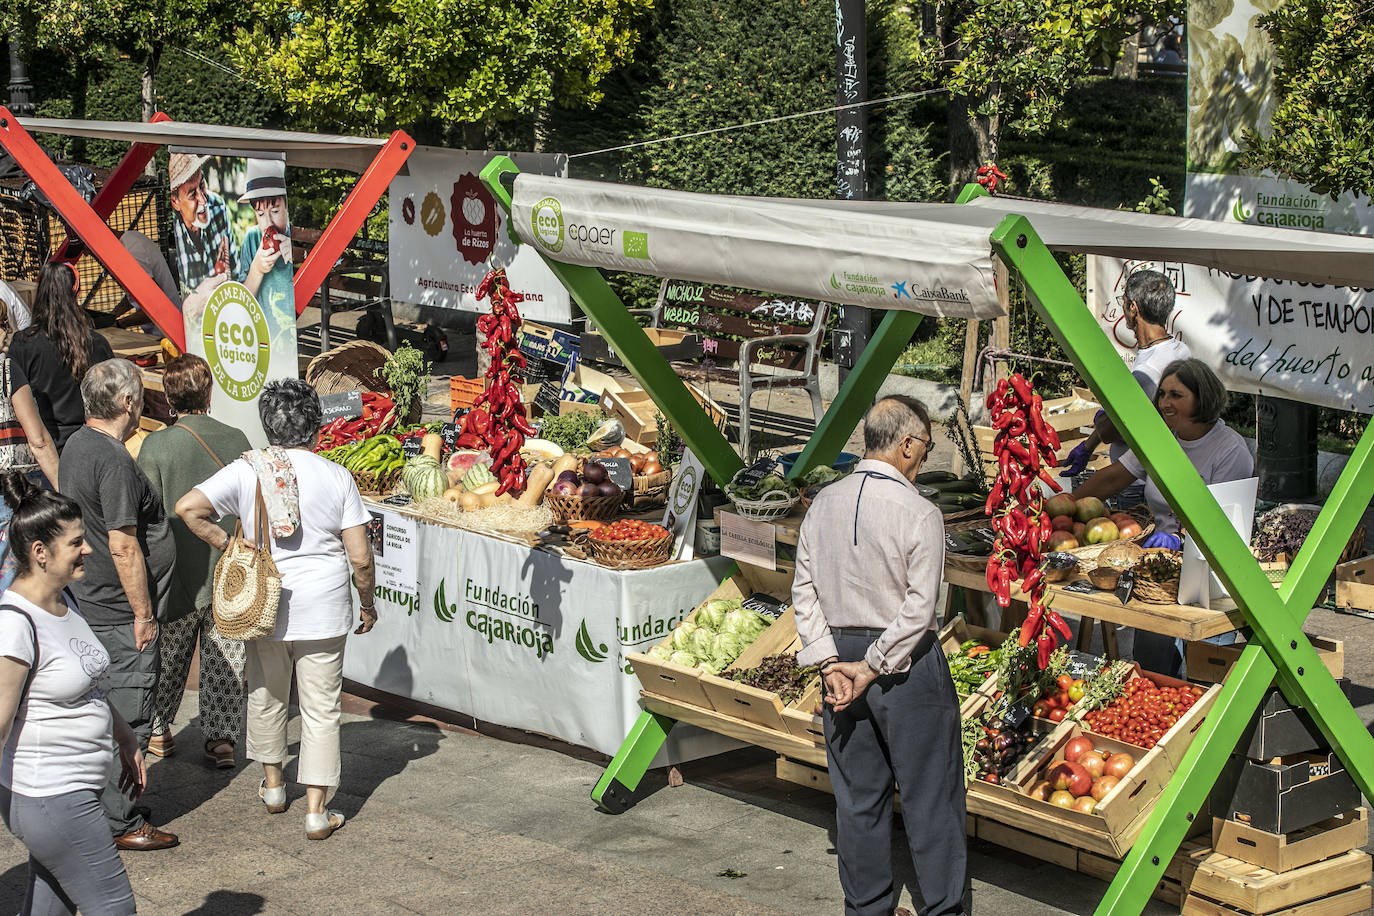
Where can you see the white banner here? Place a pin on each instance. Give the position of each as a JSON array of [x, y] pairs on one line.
[[396, 558], [447, 232], [523, 638], [791, 247], [233, 248], [1303, 341]]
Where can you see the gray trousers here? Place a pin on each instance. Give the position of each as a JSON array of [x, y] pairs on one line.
[[131, 686], [72, 859], [907, 726]]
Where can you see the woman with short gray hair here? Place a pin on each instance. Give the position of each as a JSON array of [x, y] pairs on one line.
[[317, 527]]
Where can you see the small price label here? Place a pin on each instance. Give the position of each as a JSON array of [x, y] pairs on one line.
[[345, 404], [411, 447], [1125, 586], [449, 432], [756, 472], [619, 471], [1080, 587], [766, 605]]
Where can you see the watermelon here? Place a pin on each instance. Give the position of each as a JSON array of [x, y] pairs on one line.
[[462, 460]]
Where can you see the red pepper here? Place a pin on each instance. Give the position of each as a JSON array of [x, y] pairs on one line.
[[1004, 420], [1045, 646], [1030, 626], [1058, 623], [1017, 426], [1022, 388], [1004, 590], [994, 498], [1029, 583], [520, 423], [1053, 484], [994, 567], [1017, 450]]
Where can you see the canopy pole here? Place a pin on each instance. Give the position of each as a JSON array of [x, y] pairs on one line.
[[858, 391], [1278, 645], [629, 342], [91, 228], [369, 189]]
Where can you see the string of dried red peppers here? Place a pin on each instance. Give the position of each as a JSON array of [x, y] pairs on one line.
[[1025, 449], [508, 423]]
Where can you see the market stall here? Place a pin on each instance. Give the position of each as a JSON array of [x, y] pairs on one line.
[[880, 256]]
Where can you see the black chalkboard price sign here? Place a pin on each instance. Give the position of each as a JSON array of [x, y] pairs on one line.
[[618, 472], [345, 404]]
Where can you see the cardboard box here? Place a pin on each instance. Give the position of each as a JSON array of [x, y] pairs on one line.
[[1211, 663], [636, 409], [1280, 729], [1285, 794], [672, 344], [1281, 852]]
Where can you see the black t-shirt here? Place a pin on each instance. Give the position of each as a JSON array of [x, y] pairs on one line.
[[56, 392], [100, 474]]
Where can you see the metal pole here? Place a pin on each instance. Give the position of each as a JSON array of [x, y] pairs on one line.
[[21, 87], [851, 155]]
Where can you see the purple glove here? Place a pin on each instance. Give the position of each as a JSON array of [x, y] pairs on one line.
[[1165, 540], [1076, 461]]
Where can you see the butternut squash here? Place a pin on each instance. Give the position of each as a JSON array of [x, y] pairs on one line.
[[432, 444], [540, 479], [470, 502], [454, 494], [563, 463]]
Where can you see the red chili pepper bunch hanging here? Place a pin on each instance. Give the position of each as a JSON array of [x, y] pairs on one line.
[[1025, 448], [504, 417]]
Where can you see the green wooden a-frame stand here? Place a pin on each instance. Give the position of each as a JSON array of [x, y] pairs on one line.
[[1278, 648]]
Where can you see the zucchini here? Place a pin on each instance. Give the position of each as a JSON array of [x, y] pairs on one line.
[[935, 478], [957, 485], [967, 500]]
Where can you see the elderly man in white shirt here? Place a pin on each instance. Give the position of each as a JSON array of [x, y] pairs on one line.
[[869, 563]]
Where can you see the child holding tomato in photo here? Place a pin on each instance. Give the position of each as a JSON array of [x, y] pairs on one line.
[[265, 254]]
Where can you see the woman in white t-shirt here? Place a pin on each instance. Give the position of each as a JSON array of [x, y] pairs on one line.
[[1190, 399], [60, 732], [318, 537]]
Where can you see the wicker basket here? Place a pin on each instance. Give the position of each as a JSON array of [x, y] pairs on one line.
[[350, 366], [1088, 556], [576, 509], [1120, 554], [651, 489], [639, 554], [968, 561], [774, 505], [1156, 592]]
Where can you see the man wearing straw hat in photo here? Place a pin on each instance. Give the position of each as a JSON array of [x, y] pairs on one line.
[[264, 264], [205, 240]]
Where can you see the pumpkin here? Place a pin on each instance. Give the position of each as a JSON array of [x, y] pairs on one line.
[[424, 478]]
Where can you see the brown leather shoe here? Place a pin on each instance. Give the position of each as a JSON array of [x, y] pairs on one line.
[[146, 839]]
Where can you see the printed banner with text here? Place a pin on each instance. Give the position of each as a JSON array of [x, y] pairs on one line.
[[1303, 341], [233, 250], [447, 232]]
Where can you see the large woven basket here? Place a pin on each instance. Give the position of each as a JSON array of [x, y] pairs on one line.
[[576, 509], [639, 554], [347, 367], [1156, 592], [1118, 554], [652, 489], [968, 561]]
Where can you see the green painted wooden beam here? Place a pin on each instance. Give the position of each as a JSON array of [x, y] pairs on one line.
[[627, 339], [614, 791], [1278, 645]]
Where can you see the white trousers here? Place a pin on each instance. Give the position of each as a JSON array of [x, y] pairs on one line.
[[318, 666]]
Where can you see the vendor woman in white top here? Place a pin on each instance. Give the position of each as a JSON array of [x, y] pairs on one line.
[[60, 733], [1190, 398]]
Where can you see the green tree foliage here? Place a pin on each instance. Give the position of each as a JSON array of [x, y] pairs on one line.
[[1010, 63], [375, 66], [72, 28], [1323, 128]]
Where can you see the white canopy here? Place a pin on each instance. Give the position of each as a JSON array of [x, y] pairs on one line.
[[931, 258], [316, 151]]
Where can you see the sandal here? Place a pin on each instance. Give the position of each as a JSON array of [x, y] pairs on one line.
[[274, 798], [162, 745], [220, 753], [320, 826]]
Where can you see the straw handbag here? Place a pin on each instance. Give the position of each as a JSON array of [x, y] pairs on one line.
[[247, 584]]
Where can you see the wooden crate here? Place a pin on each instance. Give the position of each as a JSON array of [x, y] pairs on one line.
[[683, 684], [1211, 663], [635, 409], [1177, 739], [762, 707], [1119, 816], [1284, 852], [959, 631], [799, 720], [1355, 584], [1221, 885]]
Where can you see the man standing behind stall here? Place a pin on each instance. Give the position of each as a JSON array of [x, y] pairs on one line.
[[1147, 302], [869, 563]]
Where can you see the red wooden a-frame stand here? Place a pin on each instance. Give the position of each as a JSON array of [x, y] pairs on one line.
[[88, 220]]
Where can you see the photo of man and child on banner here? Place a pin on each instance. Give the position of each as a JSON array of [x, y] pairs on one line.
[[233, 250]]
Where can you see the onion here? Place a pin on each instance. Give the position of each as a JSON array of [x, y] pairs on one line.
[[594, 472], [608, 489], [637, 463], [588, 491]]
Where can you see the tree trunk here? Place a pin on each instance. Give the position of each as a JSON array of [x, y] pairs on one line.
[[148, 96], [972, 143], [1128, 66]]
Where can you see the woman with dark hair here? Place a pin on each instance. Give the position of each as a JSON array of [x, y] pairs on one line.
[[60, 732], [1190, 398], [175, 460], [55, 351], [318, 533]]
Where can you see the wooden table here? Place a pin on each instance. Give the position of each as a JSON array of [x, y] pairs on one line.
[[1191, 623], [131, 343]]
